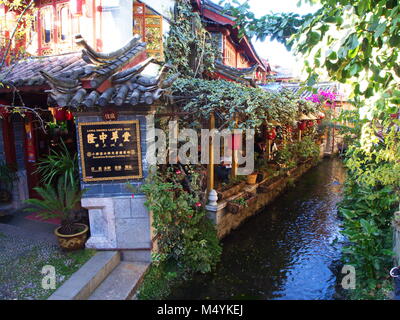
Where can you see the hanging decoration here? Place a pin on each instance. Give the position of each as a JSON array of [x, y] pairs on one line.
[[302, 125], [271, 134], [29, 142]]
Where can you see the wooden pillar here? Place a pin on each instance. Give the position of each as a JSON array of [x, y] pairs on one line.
[[299, 135], [9, 141], [210, 168], [234, 153]]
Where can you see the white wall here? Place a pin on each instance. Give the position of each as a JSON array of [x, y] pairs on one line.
[[117, 23]]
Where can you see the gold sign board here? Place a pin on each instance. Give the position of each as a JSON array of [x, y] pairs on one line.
[[110, 150]]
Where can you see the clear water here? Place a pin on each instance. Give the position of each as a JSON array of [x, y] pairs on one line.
[[290, 250]]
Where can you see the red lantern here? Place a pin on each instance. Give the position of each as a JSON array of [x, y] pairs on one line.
[[394, 115], [310, 123], [302, 125], [271, 134], [59, 114], [235, 142], [69, 115]]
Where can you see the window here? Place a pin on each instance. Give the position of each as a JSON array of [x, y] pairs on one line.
[[149, 26], [230, 54], [46, 20], [64, 29]]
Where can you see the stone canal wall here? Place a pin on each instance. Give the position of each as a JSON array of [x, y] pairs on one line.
[[226, 221]]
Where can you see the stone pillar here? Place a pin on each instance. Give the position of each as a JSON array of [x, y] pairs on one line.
[[118, 218]]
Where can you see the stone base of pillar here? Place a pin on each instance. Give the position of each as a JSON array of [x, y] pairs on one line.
[[120, 223]]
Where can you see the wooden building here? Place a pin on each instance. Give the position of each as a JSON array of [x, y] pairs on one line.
[[55, 62]]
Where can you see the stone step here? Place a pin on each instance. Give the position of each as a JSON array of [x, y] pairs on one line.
[[122, 282], [92, 274]]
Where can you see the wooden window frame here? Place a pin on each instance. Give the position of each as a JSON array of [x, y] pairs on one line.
[[141, 18]]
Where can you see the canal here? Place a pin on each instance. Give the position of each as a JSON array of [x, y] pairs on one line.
[[289, 250]]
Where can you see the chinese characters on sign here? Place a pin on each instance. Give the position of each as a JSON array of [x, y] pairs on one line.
[[110, 150]]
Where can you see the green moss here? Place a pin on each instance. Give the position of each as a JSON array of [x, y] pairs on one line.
[[24, 274]]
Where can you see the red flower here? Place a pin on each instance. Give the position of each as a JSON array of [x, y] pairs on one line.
[[178, 171], [198, 204], [190, 217]]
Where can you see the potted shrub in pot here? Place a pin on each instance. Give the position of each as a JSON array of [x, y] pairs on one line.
[[62, 202], [244, 201]]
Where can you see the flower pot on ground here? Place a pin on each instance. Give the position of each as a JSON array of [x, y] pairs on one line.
[[62, 202], [74, 241], [252, 178]]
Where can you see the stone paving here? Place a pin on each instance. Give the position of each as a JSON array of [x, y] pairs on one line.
[[25, 247]]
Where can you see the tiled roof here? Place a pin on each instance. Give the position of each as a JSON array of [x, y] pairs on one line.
[[66, 75], [299, 88], [26, 72], [244, 75]]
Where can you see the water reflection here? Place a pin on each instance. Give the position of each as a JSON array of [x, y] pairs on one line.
[[288, 251]]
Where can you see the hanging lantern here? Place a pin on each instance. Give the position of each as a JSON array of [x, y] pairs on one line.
[[302, 125], [271, 134], [59, 114], [310, 123], [69, 115], [235, 142], [394, 115]]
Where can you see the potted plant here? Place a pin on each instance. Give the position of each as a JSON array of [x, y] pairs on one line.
[[244, 201], [234, 186], [252, 178], [7, 177], [62, 202]]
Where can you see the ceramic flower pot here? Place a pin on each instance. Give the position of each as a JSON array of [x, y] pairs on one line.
[[75, 241]]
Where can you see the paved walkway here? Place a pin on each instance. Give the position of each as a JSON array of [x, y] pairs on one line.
[[25, 247]]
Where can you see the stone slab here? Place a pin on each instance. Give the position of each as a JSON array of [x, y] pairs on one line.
[[122, 282], [83, 282]]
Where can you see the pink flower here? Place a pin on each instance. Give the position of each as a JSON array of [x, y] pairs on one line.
[[198, 204], [133, 196], [178, 171], [190, 217]]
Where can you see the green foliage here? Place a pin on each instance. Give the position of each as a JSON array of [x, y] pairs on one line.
[[297, 151], [240, 201], [184, 233], [59, 164], [306, 149], [367, 212], [60, 202], [189, 48], [254, 105], [285, 156], [278, 26]]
